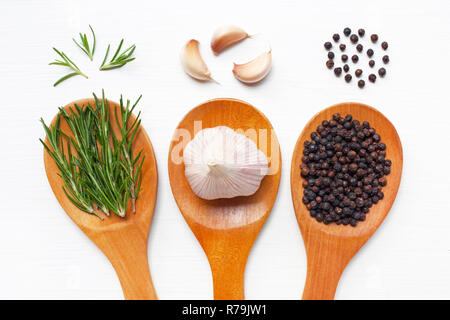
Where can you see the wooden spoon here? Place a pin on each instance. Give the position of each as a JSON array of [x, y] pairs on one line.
[[122, 240], [226, 228], [330, 247]]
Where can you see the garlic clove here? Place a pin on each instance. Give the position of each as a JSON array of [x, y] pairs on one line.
[[225, 37], [254, 70], [220, 163], [192, 62]]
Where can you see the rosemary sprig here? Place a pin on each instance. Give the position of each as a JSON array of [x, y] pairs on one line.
[[110, 170], [66, 62], [117, 60], [128, 133], [84, 44], [81, 123], [100, 169], [74, 181]]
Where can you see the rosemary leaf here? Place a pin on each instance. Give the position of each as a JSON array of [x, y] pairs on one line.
[[70, 75]]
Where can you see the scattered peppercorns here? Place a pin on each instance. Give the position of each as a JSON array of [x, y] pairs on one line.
[[342, 65], [348, 77], [330, 64], [361, 83], [338, 71], [344, 169]]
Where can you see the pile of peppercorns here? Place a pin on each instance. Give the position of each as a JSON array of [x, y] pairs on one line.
[[354, 39], [343, 169]]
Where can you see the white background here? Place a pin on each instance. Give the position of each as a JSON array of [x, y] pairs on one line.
[[44, 255]]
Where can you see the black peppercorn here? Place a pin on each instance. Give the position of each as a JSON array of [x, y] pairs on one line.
[[348, 77], [371, 63], [330, 55], [354, 38], [358, 72], [372, 77], [361, 32], [359, 47], [386, 59], [361, 83], [328, 45], [346, 67], [382, 72], [330, 64], [374, 38], [384, 45], [347, 31], [342, 47], [336, 37], [338, 71], [355, 58], [343, 170], [370, 53], [344, 58]]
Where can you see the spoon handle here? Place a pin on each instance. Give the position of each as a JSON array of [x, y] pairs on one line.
[[228, 277], [322, 279], [227, 253], [327, 258], [126, 249]]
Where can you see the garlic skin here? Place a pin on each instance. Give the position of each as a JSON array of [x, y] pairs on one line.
[[254, 70], [226, 36], [192, 62], [220, 163]]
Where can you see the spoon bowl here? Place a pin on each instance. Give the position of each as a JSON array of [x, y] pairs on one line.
[[122, 240], [226, 228], [329, 248]]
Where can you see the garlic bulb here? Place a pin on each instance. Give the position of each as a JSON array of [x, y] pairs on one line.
[[254, 70], [193, 63], [225, 37], [220, 163]]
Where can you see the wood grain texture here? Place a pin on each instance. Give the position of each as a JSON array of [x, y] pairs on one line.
[[122, 240], [329, 248], [226, 228]]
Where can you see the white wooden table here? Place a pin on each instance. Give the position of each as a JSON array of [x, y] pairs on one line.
[[44, 255]]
